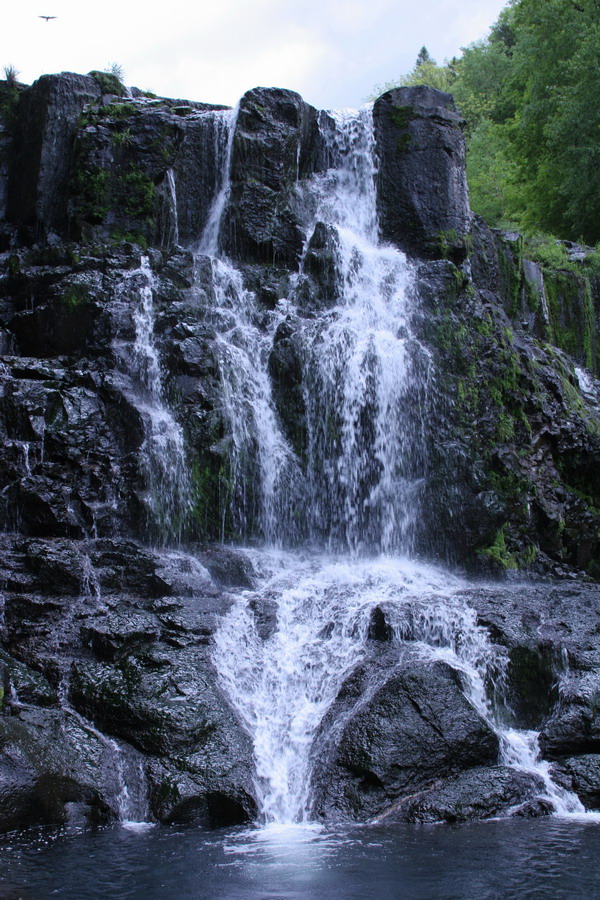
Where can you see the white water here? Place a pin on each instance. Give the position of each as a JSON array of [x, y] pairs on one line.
[[283, 685], [285, 649], [163, 451], [173, 207], [366, 375]]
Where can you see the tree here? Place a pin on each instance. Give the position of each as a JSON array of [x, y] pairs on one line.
[[530, 95]]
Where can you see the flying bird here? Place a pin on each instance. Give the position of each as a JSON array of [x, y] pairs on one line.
[[47, 18]]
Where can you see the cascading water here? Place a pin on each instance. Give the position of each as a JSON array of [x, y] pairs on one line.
[[263, 470], [163, 451], [284, 650], [365, 373]]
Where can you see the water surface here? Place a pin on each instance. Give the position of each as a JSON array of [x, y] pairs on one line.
[[551, 859]]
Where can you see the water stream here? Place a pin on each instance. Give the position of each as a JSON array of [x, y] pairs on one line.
[[162, 454], [285, 648]]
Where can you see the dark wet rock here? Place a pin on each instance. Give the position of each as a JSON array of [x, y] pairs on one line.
[[285, 368], [274, 145], [422, 188], [533, 809], [585, 778], [265, 615], [319, 286], [229, 567], [514, 440], [132, 651], [381, 742], [49, 761], [379, 627], [479, 793], [573, 728], [42, 154], [550, 632], [22, 684]]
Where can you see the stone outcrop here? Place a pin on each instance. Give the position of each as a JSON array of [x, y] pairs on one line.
[[275, 144], [108, 680], [421, 181], [105, 643], [395, 729], [47, 119]]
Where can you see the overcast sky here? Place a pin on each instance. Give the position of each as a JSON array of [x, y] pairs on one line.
[[333, 52]]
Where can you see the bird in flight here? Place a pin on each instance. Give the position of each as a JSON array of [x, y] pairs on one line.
[[47, 18]]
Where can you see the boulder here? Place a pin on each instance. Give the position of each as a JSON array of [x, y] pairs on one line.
[[381, 742], [275, 144], [480, 793], [55, 771], [585, 777], [421, 182]]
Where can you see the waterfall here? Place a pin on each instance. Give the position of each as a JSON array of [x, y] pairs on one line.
[[285, 649], [163, 451], [263, 471], [365, 376], [365, 373], [284, 682], [174, 236]]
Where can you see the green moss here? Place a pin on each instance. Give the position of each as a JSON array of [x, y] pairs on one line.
[[450, 241], [498, 552], [572, 316], [505, 429], [120, 111], [129, 237], [92, 190], [109, 83], [14, 264], [510, 258], [74, 296], [138, 193], [401, 117]]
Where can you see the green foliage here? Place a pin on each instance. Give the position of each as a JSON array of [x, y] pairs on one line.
[[9, 96], [11, 75], [498, 552], [129, 237], [117, 70], [530, 95], [492, 175], [547, 251], [138, 191], [120, 110], [91, 187], [109, 82], [425, 71], [122, 138]]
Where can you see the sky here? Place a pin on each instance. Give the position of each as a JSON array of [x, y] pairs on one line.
[[333, 52]]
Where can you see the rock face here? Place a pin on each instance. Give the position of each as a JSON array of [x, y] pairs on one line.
[[48, 118], [422, 186], [124, 635], [115, 421], [413, 728], [275, 144]]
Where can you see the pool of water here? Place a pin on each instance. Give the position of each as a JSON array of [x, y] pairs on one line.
[[547, 859]]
